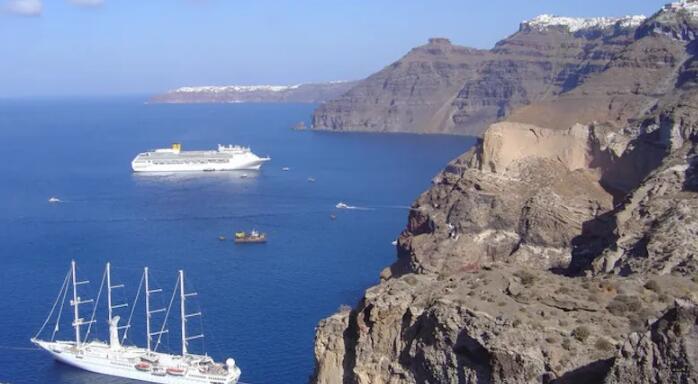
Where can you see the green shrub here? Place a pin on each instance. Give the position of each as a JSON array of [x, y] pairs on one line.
[[603, 344], [527, 278], [622, 304], [566, 344], [581, 333]]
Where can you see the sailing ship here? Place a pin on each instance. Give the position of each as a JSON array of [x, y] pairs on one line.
[[113, 358]]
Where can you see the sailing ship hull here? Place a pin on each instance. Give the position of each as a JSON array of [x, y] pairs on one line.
[[98, 358]]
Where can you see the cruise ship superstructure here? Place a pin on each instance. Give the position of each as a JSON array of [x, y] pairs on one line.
[[174, 159], [113, 358]]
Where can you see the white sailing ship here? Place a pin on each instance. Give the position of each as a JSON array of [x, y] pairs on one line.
[[225, 158], [116, 359]]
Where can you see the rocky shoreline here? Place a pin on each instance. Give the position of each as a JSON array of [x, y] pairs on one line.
[[561, 249]]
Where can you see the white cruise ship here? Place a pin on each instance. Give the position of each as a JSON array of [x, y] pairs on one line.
[[113, 358], [226, 158]]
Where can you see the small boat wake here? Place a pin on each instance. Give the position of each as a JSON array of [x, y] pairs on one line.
[[342, 205]]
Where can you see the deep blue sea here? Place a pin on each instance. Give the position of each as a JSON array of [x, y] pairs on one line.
[[260, 302]]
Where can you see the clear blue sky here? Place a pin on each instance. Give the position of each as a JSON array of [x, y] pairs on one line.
[[104, 47]]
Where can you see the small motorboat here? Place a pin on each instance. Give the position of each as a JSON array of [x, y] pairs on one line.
[[143, 366], [252, 237], [311, 179], [176, 371], [341, 205], [54, 199], [333, 217], [285, 169], [221, 238], [394, 242]]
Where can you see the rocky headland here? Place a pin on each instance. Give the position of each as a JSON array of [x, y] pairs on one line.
[[444, 88], [300, 93], [561, 248]]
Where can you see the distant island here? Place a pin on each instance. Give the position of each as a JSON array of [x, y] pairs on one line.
[[441, 87], [299, 93]]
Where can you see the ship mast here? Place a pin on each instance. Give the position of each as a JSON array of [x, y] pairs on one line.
[[184, 315], [109, 287], [76, 312], [182, 312], [148, 312], [147, 307], [110, 305], [77, 320]]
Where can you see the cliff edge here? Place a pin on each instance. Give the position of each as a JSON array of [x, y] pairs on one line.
[[560, 249]]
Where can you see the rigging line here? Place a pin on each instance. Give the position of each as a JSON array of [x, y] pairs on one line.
[[94, 308], [135, 301], [164, 322], [60, 311], [55, 303]]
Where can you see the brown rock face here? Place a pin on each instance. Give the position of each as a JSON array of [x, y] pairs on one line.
[[667, 353], [410, 94], [443, 88], [544, 254]]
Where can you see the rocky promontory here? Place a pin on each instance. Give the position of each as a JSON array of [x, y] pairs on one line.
[[561, 248]]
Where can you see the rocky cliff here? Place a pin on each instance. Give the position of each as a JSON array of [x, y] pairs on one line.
[[444, 88], [559, 249], [301, 93]]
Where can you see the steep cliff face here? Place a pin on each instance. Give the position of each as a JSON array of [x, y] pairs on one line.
[[413, 93], [442, 88], [545, 253]]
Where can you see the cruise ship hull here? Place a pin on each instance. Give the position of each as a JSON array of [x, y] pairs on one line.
[[226, 158], [99, 358], [237, 165]]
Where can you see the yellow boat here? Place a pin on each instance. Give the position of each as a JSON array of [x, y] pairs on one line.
[[252, 237]]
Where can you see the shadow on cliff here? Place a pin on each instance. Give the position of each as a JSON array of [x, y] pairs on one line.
[[621, 176], [351, 339], [591, 373]]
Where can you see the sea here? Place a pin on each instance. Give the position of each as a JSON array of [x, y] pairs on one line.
[[260, 302]]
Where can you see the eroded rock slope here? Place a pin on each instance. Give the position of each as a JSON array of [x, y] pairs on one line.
[[559, 249]]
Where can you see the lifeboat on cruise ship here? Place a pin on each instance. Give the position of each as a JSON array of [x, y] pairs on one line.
[[175, 371], [143, 366]]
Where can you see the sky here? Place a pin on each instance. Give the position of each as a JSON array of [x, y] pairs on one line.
[[121, 47]]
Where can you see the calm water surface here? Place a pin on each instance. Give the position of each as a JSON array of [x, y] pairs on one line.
[[260, 302]]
